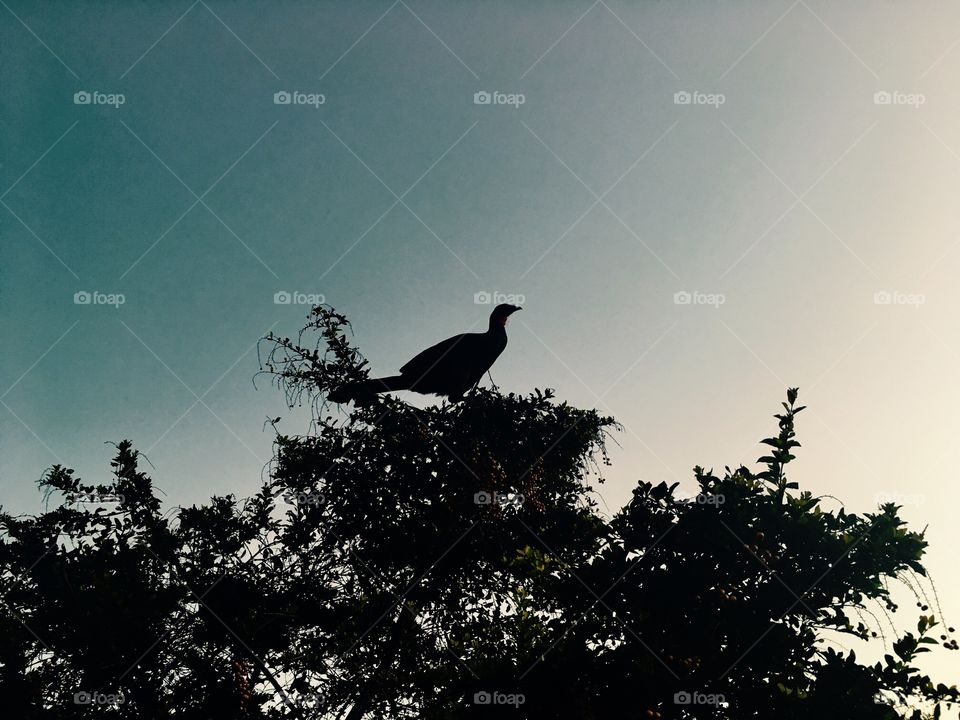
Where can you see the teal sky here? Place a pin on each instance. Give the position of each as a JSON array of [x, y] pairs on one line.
[[814, 222]]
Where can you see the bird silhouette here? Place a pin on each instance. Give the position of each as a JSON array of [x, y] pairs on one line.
[[449, 368]]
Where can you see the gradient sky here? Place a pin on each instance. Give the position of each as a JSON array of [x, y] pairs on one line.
[[797, 200]]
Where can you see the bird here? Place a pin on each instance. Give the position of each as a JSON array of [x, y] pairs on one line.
[[448, 369]]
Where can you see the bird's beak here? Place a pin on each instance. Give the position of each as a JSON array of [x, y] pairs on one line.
[[517, 307]]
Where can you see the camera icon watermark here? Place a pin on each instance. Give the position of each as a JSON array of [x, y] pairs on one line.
[[308, 701], [895, 297], [514, 100], [695, 97], [697, 698], [282, 297], [897, 498], [715, 499], [98, 698], [295, 97], [496, 297], [714, 300], [304, 498], [92, 498], [896, 97], [95, 297], [498, 698], [511, 500], [95, 97]]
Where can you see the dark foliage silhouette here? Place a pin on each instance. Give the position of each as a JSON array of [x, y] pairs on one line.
[[449, 368], [451, 562]]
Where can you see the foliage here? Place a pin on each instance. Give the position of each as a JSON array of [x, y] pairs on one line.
[[403, 562]]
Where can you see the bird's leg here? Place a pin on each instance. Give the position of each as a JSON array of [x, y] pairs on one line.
[[495, 386]]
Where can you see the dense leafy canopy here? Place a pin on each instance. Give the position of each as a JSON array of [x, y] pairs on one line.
[[451, 562]]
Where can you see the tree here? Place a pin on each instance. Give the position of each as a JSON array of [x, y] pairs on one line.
[[444, 563]]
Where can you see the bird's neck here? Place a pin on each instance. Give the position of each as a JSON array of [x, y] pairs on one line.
[[498, 326]]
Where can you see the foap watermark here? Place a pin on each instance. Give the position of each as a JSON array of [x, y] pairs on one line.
[[282, 297], [304, 498], [698, 698], [498, 298], [308, 701], [896, 97], [95, 297], [92, 498], [495, 498], [95, 97], [715, 300], [483, 97], [716, 499], [695, 97], [98, 698], [898, 498], [499, 698], [295, 97], [895, 297]]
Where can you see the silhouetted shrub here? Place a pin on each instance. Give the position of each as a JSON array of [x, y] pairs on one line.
[[451, 562]]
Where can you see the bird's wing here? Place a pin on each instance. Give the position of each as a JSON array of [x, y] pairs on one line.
[[427, 360]]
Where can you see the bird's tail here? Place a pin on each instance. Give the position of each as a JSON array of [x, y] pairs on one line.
[[362, 393]]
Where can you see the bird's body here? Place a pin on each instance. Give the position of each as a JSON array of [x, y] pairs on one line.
[[449, 368]]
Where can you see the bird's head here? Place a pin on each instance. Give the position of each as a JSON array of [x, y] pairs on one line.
[[502, 312]]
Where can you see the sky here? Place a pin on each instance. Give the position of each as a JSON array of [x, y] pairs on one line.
[[699, 204]]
